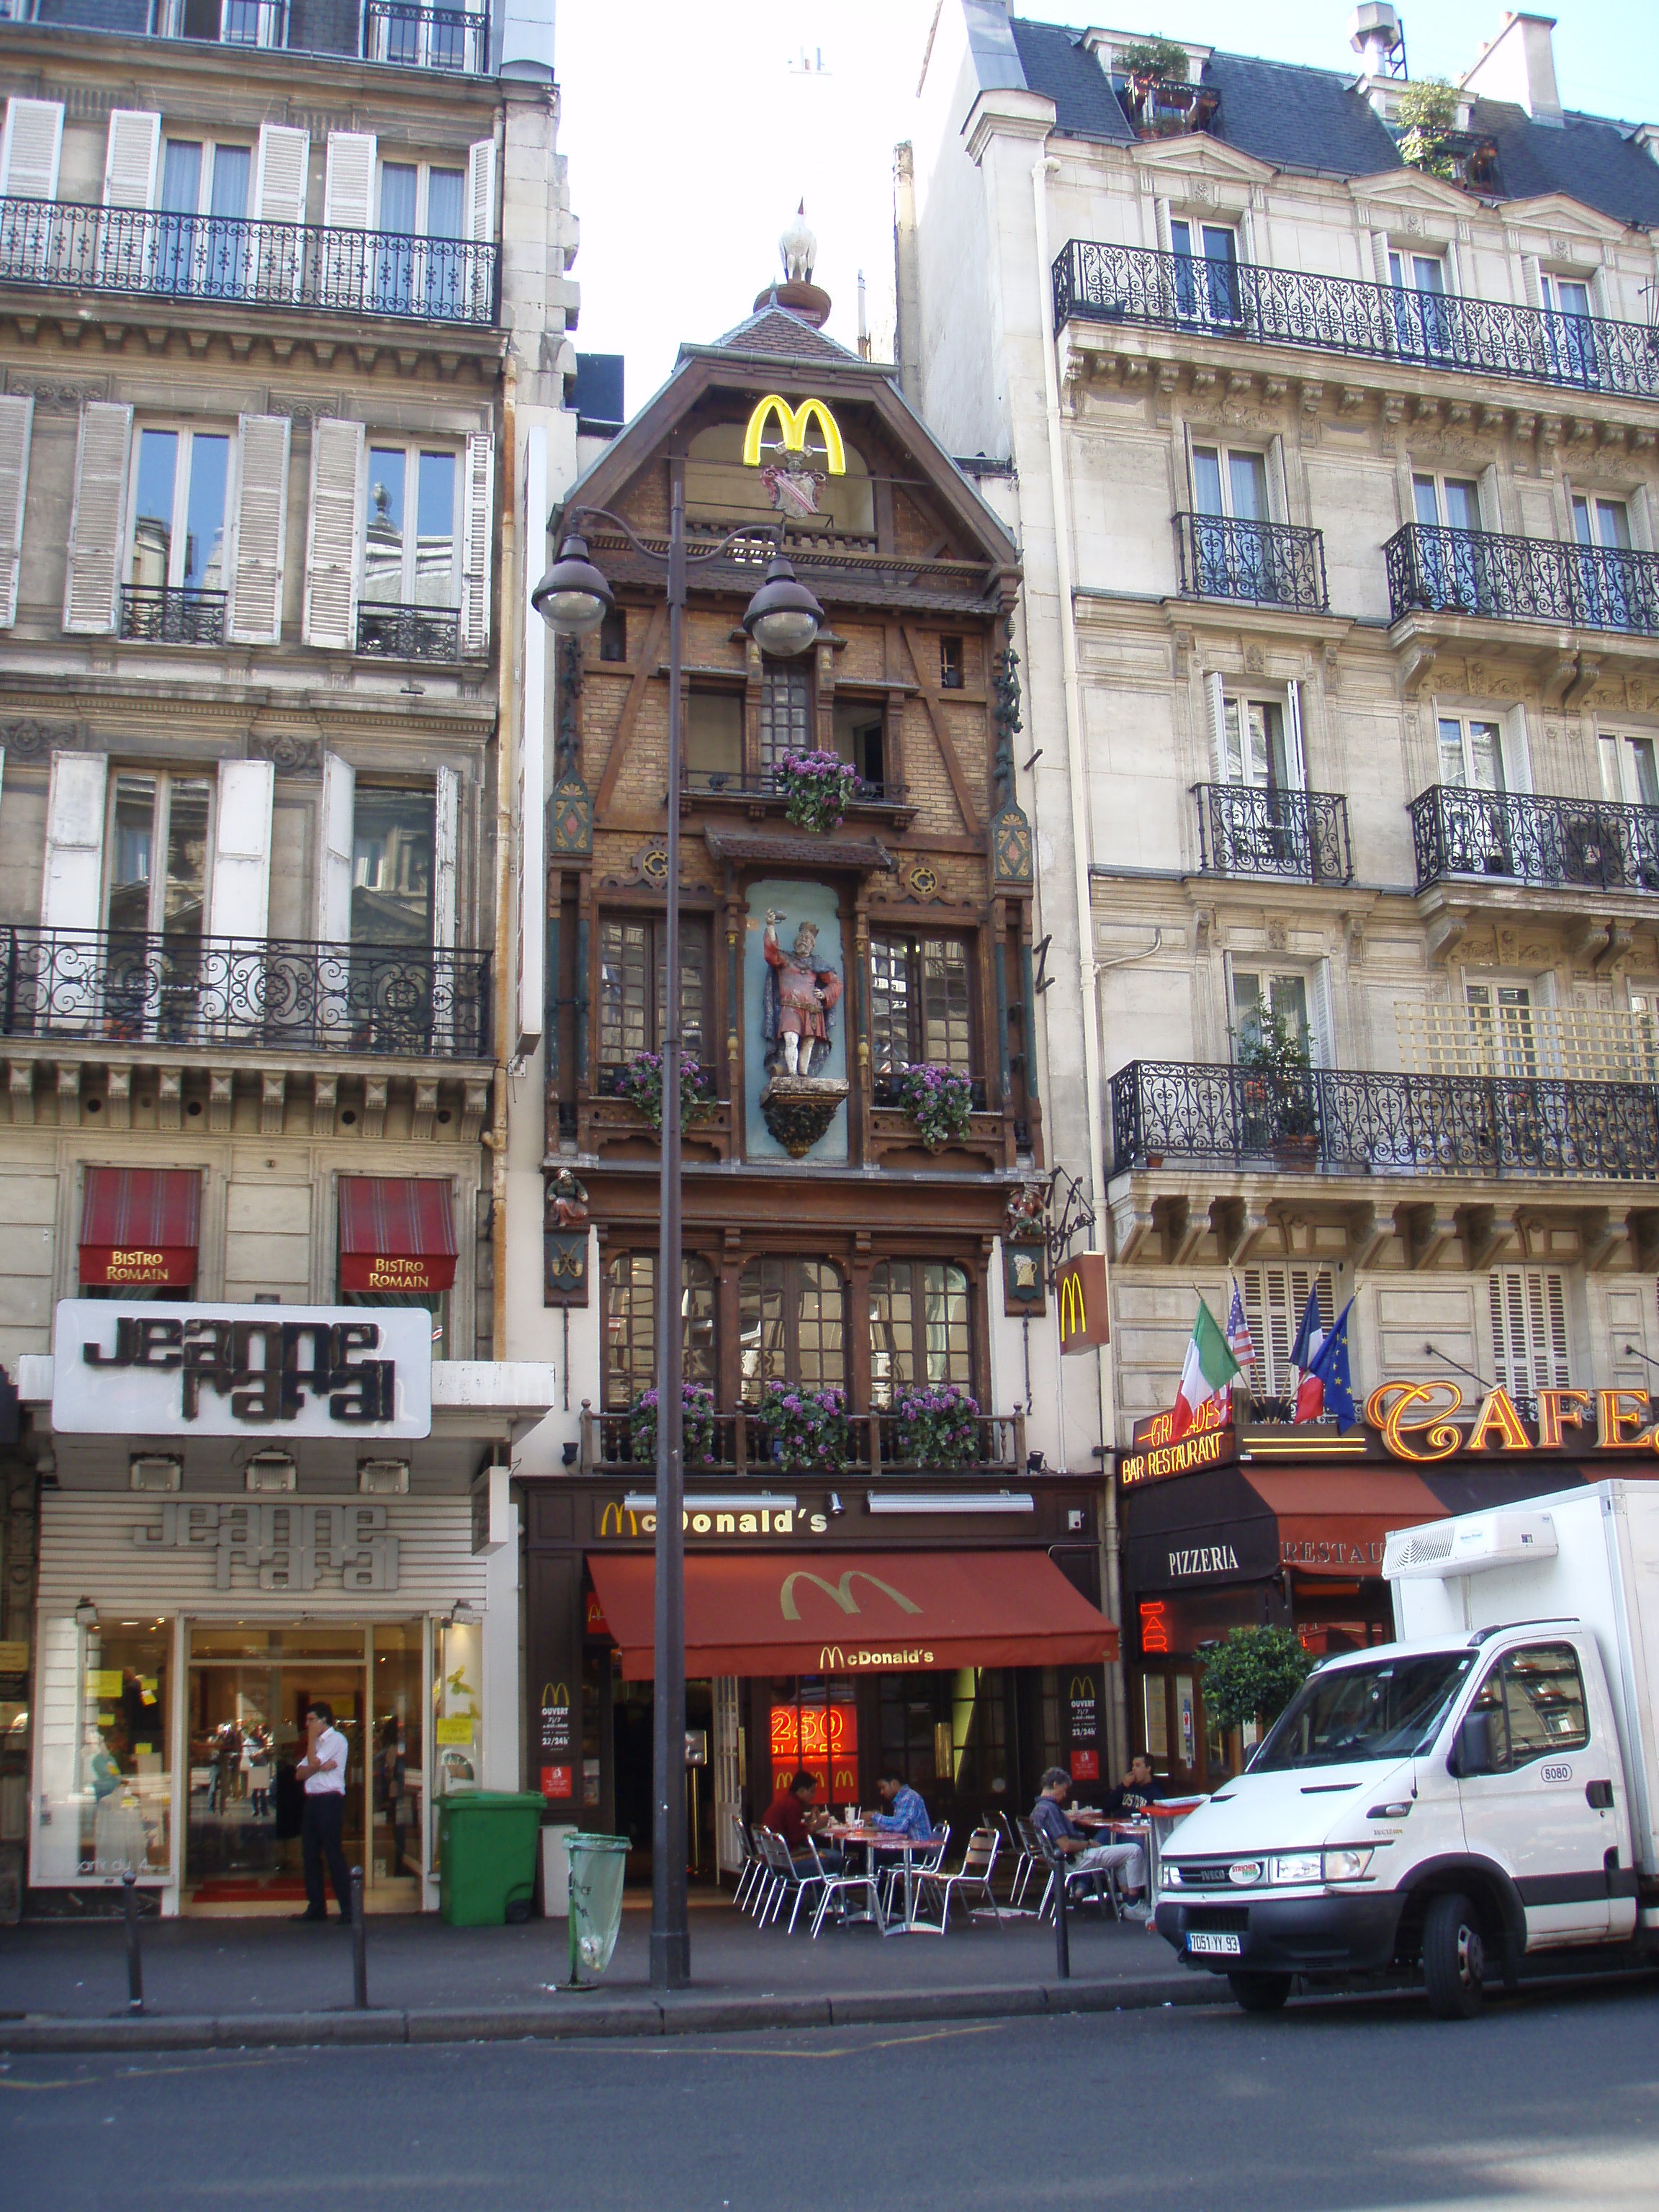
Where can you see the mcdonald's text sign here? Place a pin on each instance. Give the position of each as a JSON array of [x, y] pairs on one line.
[[1080, 1289]]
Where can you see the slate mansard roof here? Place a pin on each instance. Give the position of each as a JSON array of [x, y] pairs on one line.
[[1312, 119]]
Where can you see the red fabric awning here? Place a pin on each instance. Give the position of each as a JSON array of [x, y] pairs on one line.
[[856, 1613], [397, 1233], [140, 1225], [1337, 1524]]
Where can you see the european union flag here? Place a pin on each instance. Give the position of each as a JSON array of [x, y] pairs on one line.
[[1330, 1365]]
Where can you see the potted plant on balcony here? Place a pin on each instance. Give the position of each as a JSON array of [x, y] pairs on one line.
[[1428, 117], [938, 1426], [806, 1431], [696, 1425], [1279, 1100], [818, 789], [640, 1082], [937, 1100]]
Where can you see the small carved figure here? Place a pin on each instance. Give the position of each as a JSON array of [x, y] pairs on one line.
[[800, 997], [567, 1201]]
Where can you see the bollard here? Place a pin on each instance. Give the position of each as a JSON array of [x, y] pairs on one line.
[[1062, 1930], [359, 1953], [135, 1961]]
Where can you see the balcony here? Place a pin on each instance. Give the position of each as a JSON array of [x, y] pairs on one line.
[[765, 784], [1299, 836], [742, 1446], [1334, 1121], [1337, 314], [1477, 572], [393, 632], [1557, 843], [453, 39], [62, 246], [1266, 564], [265, 995], [151, 615]]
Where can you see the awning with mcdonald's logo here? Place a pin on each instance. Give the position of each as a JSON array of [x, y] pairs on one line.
[[141, 1227], [397, 1234], [856, 1613]]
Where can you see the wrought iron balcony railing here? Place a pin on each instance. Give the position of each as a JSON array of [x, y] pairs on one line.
[[1269, 564], [767, 783], [426, 38], [1572, 843], [65, 247], [1299, 835], [1331, 1121], [393, 632], [154, 616], [273, 994], [1337, 314], [1477, 572], [451, 39], [741, 1444]]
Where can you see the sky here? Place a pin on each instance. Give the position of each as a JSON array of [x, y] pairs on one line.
[[693, 133]]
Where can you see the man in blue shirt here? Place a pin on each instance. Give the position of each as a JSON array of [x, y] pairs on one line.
[[906, 1814], [1066, 1839]]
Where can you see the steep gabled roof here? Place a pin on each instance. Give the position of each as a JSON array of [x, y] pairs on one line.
[[1297, 118], [779, 334], [1591, 160], [1065, 71]]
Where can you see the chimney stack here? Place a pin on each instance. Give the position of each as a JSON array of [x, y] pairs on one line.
[[1374, 34], [1519, 65]]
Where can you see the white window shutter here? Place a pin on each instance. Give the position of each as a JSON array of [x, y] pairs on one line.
[[1322, 1013], [477, 524], [30, 148], [1380, 258], [446, 821], [239, 904], [334, 858], [1641, 520], [1528, 1329], [281, 169], [1161, 215], [98, 518], [17, 420], [481, 192], [348, 181], [1517, 752], [131, 158], [1492, 511], [1532, 285], [1296, 759], [71, 887], [256, 604], [337, 468], [1215, 708], [1279, 490]]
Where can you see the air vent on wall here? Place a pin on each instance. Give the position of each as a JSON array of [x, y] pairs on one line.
[[271, 1471], [154, 1471], [383, 1477]]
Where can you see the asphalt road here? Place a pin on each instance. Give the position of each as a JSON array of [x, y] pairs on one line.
[[1547, 2101]]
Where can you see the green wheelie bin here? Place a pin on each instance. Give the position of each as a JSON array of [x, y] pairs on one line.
[[487, 1856]]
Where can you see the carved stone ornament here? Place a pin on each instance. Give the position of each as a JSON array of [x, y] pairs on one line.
[[570, 820], [301, 409], [799, 1110], [68, 393], [288, 756], [32, 740], [564, 1267]]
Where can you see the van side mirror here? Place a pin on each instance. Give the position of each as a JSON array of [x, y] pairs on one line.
[[1473, 1753]]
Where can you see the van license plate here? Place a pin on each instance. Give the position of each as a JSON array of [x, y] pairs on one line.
[[1220, 1947]]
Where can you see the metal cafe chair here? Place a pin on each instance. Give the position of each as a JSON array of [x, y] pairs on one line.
[[1022, 1840], [759, 1902], [838, 1887], [753, 1871], [974, 1874], [1104, 1881], [893, 1875], [790, 1877]]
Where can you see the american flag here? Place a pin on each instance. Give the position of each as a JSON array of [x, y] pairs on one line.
[[1240, 1342]]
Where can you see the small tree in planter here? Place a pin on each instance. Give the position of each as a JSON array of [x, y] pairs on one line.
[[1153, 61], [938, 1102], [818, 787], [1279, 1100], [938, 1428], [1252, 1676], [696, 1425], [641, 1084], [1428, 113], [806, 1430]]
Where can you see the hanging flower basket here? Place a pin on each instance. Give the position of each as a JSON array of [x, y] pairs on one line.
[[641, 1084], [696, 1425], [806, 1430], [938, 1102], [817, 787], [938, 1428]]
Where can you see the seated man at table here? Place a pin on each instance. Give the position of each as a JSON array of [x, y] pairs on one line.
[[1136, 1791], [786, 1816], [1065, 1837], [906, 1814]]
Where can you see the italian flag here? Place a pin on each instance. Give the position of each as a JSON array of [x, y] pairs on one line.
[[1208, 1369]]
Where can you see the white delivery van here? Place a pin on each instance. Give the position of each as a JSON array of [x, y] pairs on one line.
[[1472, 1803]]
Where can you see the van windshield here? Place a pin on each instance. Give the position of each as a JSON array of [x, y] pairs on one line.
[[1390, 1709]]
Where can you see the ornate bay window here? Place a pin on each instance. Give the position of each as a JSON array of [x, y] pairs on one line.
[[630, 1325], [920, 1002], [792, 1325], [633, 985], [920, 1328]]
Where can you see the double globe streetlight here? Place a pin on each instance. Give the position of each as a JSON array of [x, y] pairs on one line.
[[784, 619]]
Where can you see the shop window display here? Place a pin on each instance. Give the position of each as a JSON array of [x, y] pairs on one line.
[[106, 1750]]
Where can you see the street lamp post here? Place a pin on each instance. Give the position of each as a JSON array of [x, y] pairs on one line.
[[783, 617]]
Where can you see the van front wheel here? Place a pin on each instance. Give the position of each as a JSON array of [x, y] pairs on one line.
[[1260, 1992], [1454, 1959]]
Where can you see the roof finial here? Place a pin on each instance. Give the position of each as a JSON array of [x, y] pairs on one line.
[[799, 248]]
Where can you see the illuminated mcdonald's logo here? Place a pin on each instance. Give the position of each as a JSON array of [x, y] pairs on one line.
[[839, 1592], [621, 1512], [1082, 1685], [793, 423], [555, 1693], [1080, 1286]]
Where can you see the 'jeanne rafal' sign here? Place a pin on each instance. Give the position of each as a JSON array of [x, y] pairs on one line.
[[153, 1371]]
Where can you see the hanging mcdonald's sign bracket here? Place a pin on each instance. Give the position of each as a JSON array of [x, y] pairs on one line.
[[1080, 1291]]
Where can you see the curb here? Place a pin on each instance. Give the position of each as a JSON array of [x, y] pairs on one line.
[[648, 2016]]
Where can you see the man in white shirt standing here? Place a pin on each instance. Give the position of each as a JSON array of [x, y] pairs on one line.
[[322, 1770]]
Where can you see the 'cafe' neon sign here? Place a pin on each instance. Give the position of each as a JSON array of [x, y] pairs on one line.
[[1418, 1421]]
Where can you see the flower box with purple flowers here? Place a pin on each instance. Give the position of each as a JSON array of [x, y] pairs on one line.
[[806, 1430], [938, 1426], [696, 1425], [938, 1102], [641, 1084], [817, 787]]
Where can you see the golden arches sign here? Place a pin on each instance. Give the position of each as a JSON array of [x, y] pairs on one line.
[[1080, 1287], [840, 1594], [793, 423]]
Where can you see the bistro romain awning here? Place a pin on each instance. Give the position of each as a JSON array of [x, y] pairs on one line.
[[141, 1227], [856, 1613], [397, 1234]]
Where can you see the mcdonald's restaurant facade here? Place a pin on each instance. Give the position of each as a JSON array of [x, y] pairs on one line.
[[949, 1630]]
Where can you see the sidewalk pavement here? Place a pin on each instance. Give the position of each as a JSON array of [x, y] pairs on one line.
[[226, 1983]]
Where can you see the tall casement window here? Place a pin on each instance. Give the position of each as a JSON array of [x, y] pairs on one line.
[[921, 1001], [176, 574], [921, 1331], [1206, 270], [159, 842], [630, 1325], [392, 878], [411, 585], [786, 712], [791, 1319], [633, 985], [1630, 772]]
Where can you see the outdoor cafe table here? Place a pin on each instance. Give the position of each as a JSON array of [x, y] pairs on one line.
[[1151, 1831], [883, 1839]]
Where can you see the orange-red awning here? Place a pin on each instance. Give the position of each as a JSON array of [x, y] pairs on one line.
[[856, 1613], [1337, 1524], [397, 1233], [140, 1225]]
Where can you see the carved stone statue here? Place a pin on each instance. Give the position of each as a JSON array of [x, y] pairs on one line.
[[567, 1201], [800, 999]]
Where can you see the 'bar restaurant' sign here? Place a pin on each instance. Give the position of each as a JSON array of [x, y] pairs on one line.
[[155, 1370]]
